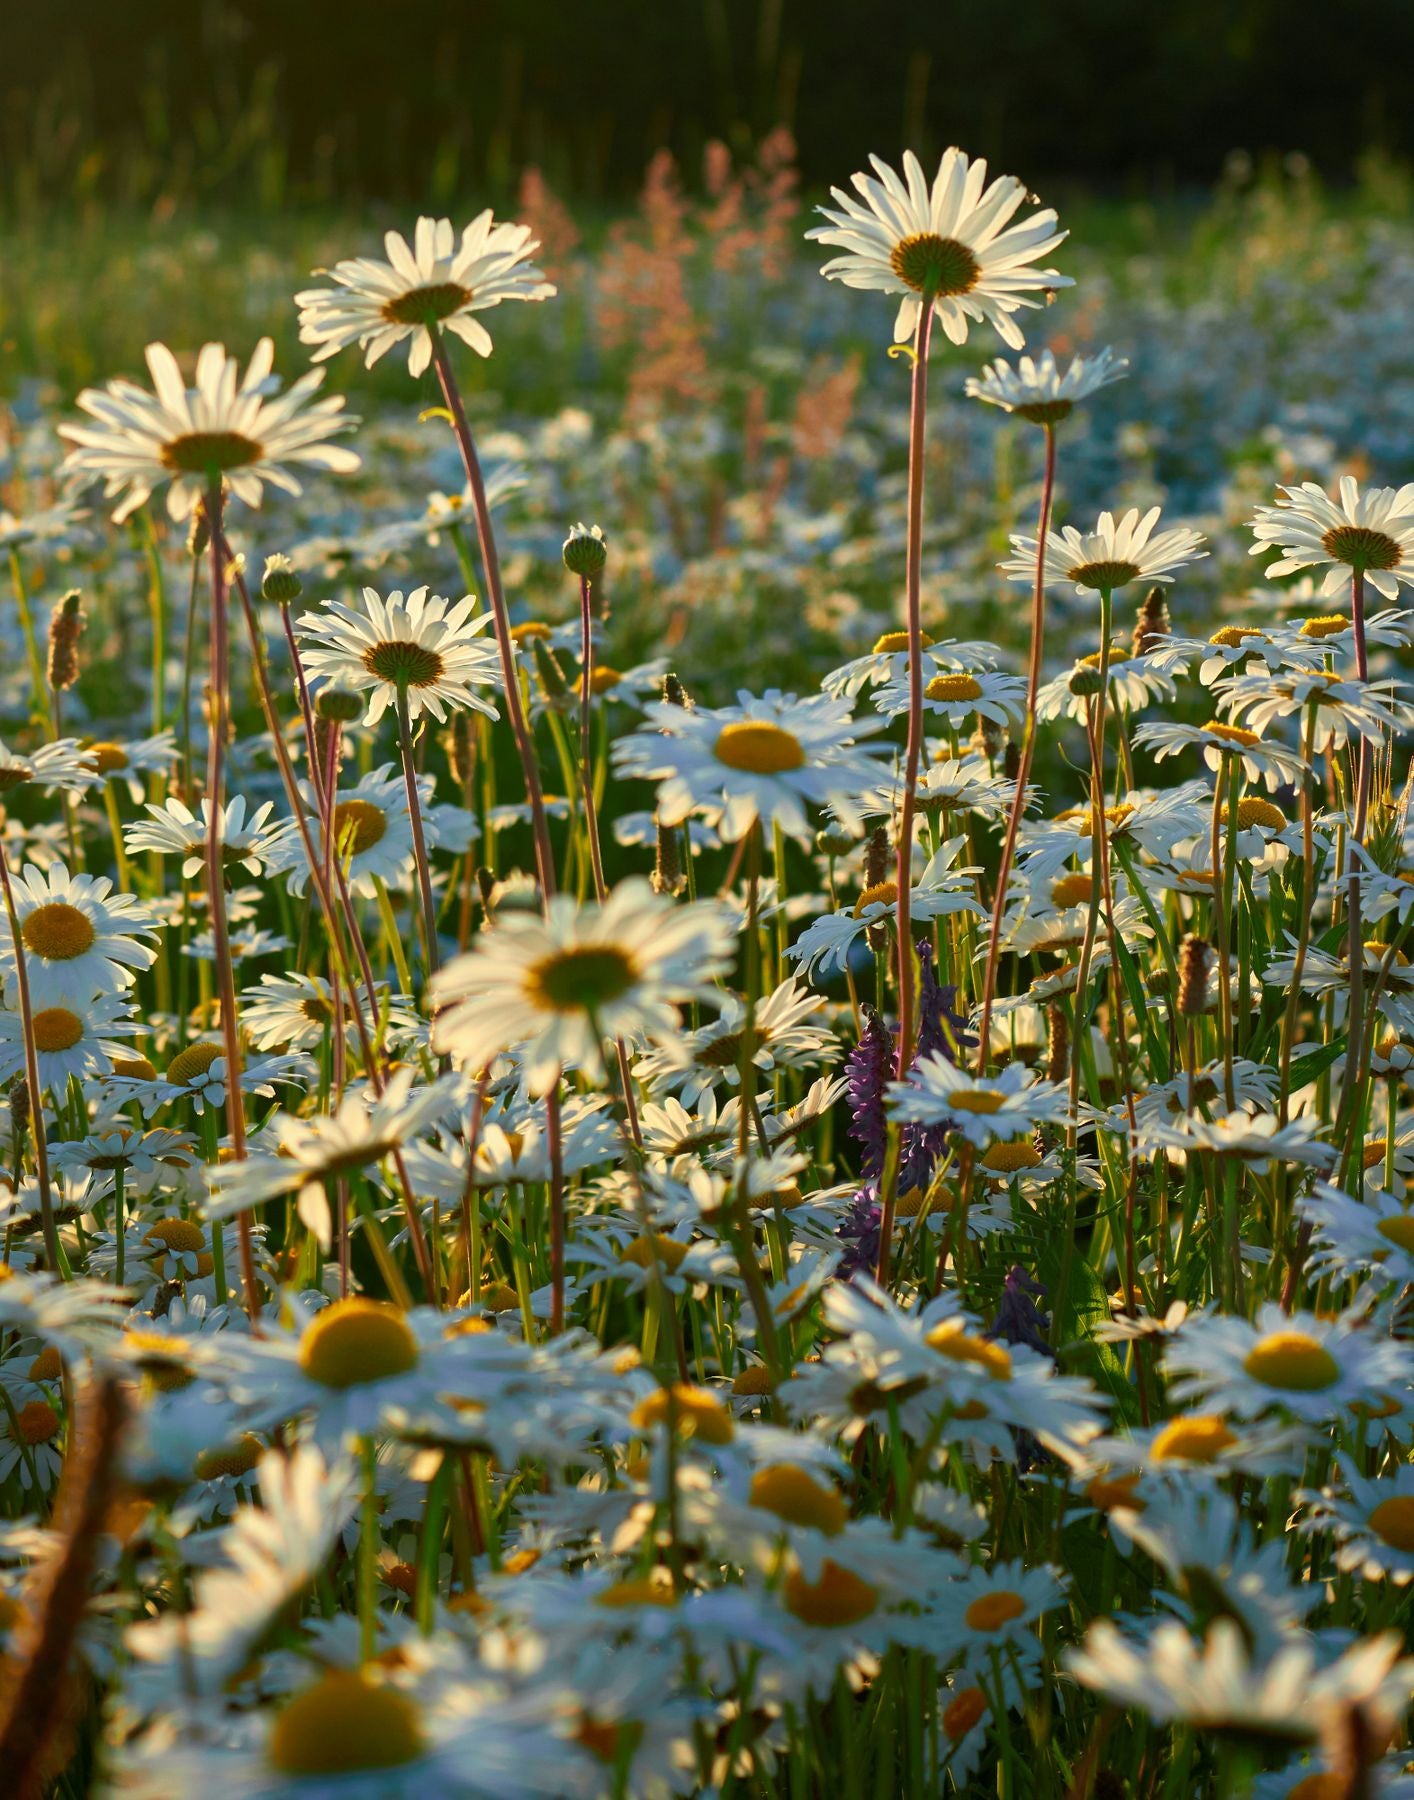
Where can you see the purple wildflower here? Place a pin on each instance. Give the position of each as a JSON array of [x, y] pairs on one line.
[[868, 1070]]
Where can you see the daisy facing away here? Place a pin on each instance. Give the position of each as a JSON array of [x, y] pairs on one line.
[[951, 242], [221, 428], [423, 644], [1371, 534], [432, 282], [553, 989]]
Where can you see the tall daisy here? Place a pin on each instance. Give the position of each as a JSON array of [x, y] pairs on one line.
[[223, 428], [1115, 553], [1370, 533], [950, 242], [422, 645], [1038, 390], [433, 282]]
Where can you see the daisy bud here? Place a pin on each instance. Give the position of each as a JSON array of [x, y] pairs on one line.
[[1057, 1043], [461, 749], [65, 625], [279, 582], [198, 534], [834, 842], [1153, 622], [667, 868], [486, 886], [1084, 681], [586, 550], [338, 704], [1193, 961]]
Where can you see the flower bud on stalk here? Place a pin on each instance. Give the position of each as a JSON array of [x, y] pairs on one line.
[[280, 583], [65, 626]]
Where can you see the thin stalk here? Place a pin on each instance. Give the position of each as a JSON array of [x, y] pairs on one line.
[[419, 841], [52, 1252]]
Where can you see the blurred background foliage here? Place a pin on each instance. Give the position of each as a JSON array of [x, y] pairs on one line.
[[273, 103]]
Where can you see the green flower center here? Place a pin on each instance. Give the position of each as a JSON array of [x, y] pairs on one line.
[[1046, 412], [403, 663], [1100, 575], [426, 305], [937, 265], [583, 979], [1361, 547], [202, 452]]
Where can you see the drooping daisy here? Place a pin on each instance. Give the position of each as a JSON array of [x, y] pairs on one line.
[[764, 758], [114, 761], [1115, 553], [1343, 709], [57, 767], [435, 283], [424, 646], [1371, 532], [950, 243], [78, 935], [1037, 389], [222, 428], [785, 1036], [173, 829], [888, 661], [553, 989], [1131, 683]]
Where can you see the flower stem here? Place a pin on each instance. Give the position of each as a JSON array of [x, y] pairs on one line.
[[1028, 751], [52, 1253], [918, 410], [419, 841]]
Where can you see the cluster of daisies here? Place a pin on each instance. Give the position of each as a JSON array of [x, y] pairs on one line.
[[606, 1239]]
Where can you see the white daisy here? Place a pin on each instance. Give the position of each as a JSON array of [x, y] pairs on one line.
[[173, 829], [79, 936], [1007, 1105], [958, 694], [951, 243], [72, 1036], [1115, 553], [424, 646], [1372, 532], [1038, 390], [432, 284], [220, 429], [1313, 1368]]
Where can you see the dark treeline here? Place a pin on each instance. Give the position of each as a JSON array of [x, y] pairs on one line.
[[278, 99]]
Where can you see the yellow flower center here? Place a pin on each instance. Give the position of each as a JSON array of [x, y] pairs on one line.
[[976, 1100], [205, 452], [793, 1494], [1099, 575], [343, 1724], [935, 265], [1323, 626], [1392, 1521], [532, 628], [989, 1612], [358, 826], [962, 1712], [403, 663], [134, 1068], [47, 1366], [1254, 811], [954, 687], [175, 1234], [889, 643], [646, 1591], [1007, 1159], [604, 679], [913, 1203], [195, 1060], [1399, 1230], [1362, 548], [882, 893], [640, 1251], [56, 1029], [106, 757], [838, 1598], [951, 1340], [1072, 890], [758, 748], [1232, 635], [357, 1341], [57, 931], [583, 978], [694, 1411], [1231, 734], [752, 1380], [36, 1423], [1198, 1438], [231, 1459], [426, 305], [1293, 1362], [1106, 1494]]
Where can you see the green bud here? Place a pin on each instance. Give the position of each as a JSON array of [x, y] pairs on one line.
[[280, 583], [1085, 681], [834, 842], [340, 704], [586, 551]]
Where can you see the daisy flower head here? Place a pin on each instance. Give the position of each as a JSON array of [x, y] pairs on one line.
[[951, 244], [1342, 709], [1262, 759], [1008, 1105], [1370, 534], [61, 766], [1312, 1368], [956, 694], [1115, 553], [432, 284], [1037, 389], [173, 829], [222, 429], [423, 646], [78, 935], [766, 758], [111, 760], [73, 1036], [1372, 1522], [888, 661], [553, 989]]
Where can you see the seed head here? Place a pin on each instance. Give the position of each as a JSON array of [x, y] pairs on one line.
[[1152, 623], [280, 582], [876, 857], [198, 533], [1194, 960], [65, 625], [1057, 1043], [19, 1108], [674, 693], [667, 867]]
